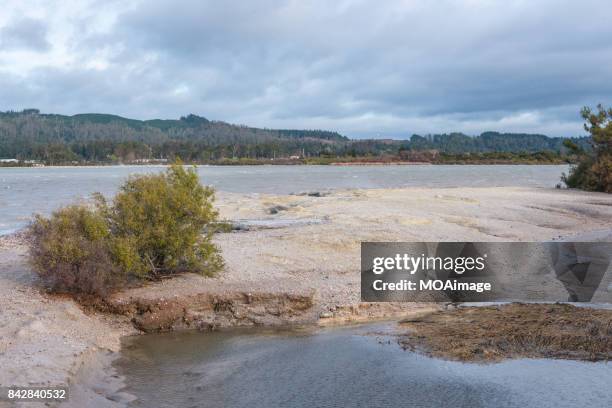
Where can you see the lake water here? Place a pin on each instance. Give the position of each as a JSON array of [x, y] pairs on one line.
[[341, 367], [24, 191]]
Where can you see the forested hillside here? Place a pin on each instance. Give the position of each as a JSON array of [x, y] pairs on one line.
[[97, 137], [100, 138]]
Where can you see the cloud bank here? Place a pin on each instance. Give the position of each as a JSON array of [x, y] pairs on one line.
[[363, 68]]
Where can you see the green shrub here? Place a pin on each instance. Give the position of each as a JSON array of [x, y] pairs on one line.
[[156, 225], [165, 218]]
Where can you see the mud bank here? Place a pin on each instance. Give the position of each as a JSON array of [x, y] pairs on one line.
[[206, 311], [211, 311]]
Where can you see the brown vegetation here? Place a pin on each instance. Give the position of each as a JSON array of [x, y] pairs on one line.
[[510, 331]]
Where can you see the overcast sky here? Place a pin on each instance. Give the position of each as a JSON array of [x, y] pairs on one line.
[[363, 68]]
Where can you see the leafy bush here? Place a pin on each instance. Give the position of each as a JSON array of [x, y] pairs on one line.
[[594, 169], [166, 219], [71, 251], [156, 225]]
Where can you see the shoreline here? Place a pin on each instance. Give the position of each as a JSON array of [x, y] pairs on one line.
[[356, 163], [274, 271], [88, 367]]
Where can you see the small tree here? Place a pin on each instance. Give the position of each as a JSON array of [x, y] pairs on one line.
[[167, 218], [157, 225], [594, 169]]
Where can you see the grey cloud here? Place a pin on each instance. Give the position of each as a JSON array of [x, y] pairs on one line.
[[25, 33], [360, 67]]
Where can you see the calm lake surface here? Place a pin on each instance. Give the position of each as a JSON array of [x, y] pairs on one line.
[[341, 367], [24, 191]]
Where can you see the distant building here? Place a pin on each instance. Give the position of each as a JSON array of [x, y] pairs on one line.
[[9, 161], [34, 163]]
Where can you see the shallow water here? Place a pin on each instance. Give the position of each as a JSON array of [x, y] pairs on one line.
[[24, 191], [341, 367]]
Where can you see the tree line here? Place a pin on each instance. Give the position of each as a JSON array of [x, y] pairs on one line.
[[101, 138]]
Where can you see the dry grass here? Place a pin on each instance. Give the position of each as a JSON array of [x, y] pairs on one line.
[[494, 333]]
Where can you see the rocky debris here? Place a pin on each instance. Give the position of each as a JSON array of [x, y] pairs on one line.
[[271, 224], [364, 312], [240, 226], [313, 193], [276, 209], [15, 240]]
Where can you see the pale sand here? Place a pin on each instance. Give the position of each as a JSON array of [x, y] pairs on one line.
[[325, 256], [314, 247]]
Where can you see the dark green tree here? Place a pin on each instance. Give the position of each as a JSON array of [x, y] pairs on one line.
[[594, 169]]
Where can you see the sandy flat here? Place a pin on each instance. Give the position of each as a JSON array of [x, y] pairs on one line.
[[322, 249], [292, 243]]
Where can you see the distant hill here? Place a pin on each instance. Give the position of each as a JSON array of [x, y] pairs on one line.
[[94, 137], [490, 142]]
